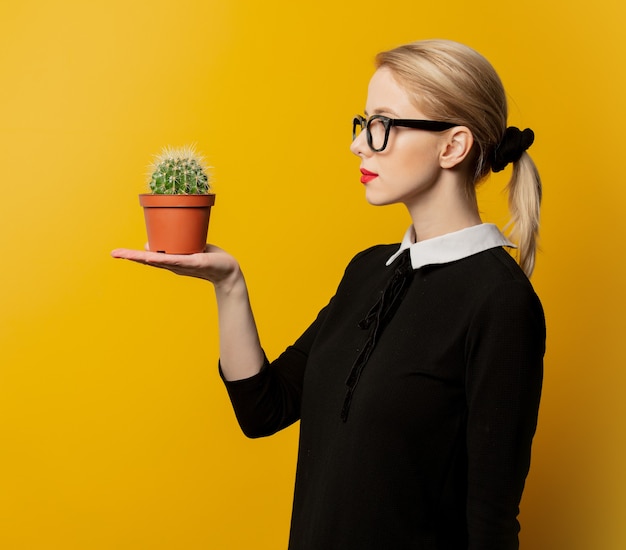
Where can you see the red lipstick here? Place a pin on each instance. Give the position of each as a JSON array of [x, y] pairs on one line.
[[367, 176]]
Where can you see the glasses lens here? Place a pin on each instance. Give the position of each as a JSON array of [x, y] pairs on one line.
[[377, 130]]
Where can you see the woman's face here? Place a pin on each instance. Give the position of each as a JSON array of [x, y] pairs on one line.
[[408, 168]]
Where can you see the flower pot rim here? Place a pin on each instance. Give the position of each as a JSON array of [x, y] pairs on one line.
[[148, 200], [177, 194]]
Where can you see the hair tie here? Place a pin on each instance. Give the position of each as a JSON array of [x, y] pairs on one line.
[[513, 144]]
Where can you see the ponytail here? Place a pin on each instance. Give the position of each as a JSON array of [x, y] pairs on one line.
[[524, 192]]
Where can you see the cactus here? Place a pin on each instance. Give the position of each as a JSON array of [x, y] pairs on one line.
[[179, 171]]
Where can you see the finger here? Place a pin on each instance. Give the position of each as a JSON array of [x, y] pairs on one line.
[[128, 254], [142, 257]]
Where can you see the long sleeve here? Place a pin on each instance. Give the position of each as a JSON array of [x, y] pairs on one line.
[[505, 351], [270, 400]]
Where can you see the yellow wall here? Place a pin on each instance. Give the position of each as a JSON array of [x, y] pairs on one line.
[[115, 431]]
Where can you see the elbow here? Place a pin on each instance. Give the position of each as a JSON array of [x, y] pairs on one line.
[[255, 429], [255, 432]]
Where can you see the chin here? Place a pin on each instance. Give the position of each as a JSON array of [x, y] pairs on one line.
[[375, 199]]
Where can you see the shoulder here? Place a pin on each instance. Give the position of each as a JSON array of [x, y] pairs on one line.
[[489, 284], [504, 298], [368, 267], [489, 273], [493, 265], [505, 279], [374, 255]]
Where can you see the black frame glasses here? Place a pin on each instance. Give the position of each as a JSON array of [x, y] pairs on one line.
[[360, 123]]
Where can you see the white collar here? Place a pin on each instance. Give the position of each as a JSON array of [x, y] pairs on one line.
[[451, 246]]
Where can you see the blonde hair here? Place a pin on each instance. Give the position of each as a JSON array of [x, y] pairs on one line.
[[454, 83]]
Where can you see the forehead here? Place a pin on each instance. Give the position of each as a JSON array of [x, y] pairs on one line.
[[386, 95]]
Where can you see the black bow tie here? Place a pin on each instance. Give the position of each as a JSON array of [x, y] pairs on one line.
[[377, 319]]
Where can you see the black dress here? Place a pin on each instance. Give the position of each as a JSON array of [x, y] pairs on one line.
[[422, 442]]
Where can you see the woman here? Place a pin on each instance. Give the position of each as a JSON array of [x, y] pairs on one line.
[[418, 385]]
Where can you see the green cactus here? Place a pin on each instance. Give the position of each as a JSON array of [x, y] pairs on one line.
[[179, 171]]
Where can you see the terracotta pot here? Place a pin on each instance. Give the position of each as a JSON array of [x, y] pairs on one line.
[[177, 224]]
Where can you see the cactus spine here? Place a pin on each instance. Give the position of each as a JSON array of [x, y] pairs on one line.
[[179, 171]]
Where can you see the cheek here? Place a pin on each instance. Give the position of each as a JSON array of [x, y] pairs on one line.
[[414, 164], [413, 149]]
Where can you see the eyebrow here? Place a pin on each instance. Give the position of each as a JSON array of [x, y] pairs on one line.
[[381, 110]]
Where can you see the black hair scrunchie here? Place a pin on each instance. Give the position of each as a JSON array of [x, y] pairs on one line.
[[510, 149]]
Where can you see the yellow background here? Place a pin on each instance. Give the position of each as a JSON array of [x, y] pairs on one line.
[[115, 431]]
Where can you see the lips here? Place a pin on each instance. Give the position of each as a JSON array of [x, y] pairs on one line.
[[367, 176]]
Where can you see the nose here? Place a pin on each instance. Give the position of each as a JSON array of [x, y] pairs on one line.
[[359, 146]]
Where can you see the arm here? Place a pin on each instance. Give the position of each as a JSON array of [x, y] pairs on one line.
[[270, 400], [505, 350], [240, 349]]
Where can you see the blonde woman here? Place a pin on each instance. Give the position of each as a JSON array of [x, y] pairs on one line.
[[418, 385]]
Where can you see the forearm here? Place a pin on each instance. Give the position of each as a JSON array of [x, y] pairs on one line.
[[241, 355], [240, 349]]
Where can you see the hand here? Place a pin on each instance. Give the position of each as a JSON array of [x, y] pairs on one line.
[[214, 264]]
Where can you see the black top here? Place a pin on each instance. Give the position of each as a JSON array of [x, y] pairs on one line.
[[433, 446]]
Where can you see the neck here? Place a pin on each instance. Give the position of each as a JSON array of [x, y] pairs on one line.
[[446, 210]]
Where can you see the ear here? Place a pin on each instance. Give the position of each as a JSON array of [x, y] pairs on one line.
[[457, 146]]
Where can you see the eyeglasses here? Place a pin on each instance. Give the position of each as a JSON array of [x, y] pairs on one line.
[[377, 128]]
